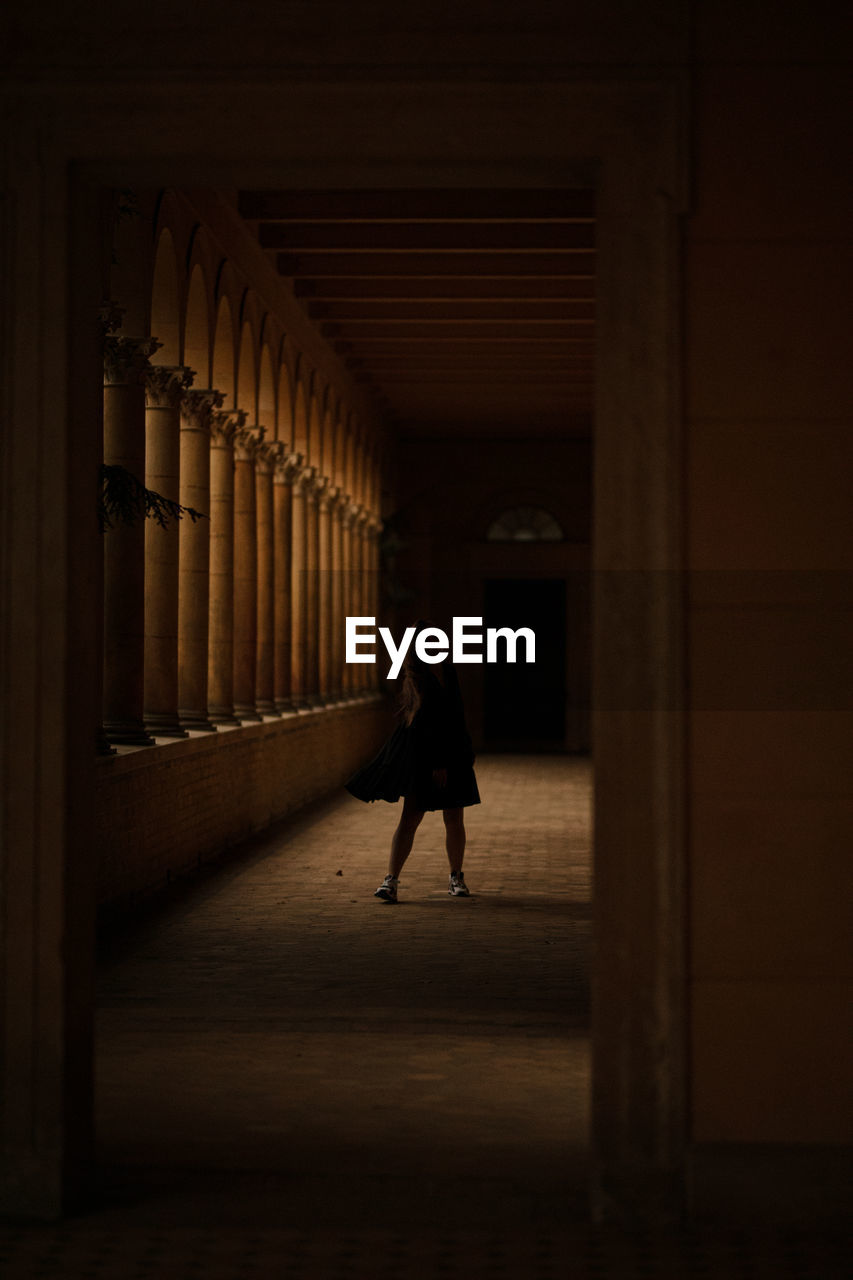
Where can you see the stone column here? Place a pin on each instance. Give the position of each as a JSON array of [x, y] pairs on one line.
[[353, 582], [373, 532], [348, 510], [337, 593], [126, 366], [197, 413], [312, 588], [286, 471], [360, 591], [164, 391], [220, 648], [246, 443], [298, 591], [266, 459], [325, 498]]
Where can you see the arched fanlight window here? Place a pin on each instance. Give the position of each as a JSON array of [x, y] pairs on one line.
[[524, 524]]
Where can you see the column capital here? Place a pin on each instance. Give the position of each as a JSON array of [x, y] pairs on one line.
[[374, 525], [334, 497], [307, 479], [198, 407], [127, 361], [165, 385], [288, 467], [224, 426], [268, 455], [322, 485], [247, 442]]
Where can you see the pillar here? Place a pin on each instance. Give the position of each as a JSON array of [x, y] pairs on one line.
[[312, 588], [359, 588], [126, 365], [286, 471], [348, 510], [220, 644], [197, 413], [373, 534], [298, 592], [324, 590], [337, 592], [164, 391], [245, 652], [267, 456]]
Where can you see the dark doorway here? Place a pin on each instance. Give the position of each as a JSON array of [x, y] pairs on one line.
[[525, 703]]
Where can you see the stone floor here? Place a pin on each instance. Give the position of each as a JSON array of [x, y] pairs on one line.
[[295, 1079], [364, 1050]]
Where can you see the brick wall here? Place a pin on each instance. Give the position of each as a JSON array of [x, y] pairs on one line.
[[162, 811]]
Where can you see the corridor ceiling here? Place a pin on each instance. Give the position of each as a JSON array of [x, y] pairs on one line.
[[459, 311]]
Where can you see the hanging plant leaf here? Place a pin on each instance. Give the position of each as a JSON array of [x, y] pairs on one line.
[[125, 499]]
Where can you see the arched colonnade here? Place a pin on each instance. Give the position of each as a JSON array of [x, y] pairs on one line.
[[238, 614]]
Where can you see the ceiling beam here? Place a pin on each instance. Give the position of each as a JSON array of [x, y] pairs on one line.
[[480, 302], [497, 377], [426, 237], [371, 348], [576, 423], [466, 331], [453, 357], [519, 311], [453, 360], [420, 205], [446, 288], [571, 262]]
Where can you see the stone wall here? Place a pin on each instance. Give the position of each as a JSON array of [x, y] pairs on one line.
[[770, 532]]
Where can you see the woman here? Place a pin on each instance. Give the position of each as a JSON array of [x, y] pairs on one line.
[[428, 760]]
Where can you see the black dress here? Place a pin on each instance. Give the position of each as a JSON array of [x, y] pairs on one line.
[[436, 739]]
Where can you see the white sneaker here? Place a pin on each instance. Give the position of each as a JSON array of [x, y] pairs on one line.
[[387, 891], [457, 887]]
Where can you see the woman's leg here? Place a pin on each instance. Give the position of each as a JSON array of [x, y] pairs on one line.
[[404, 836], [454, 833]]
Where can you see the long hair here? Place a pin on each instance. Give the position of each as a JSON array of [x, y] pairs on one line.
[[416, 676]]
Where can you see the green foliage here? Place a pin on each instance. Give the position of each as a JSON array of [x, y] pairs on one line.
[[124, 500]]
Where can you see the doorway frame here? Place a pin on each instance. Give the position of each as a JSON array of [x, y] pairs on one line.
[[624, 137], [556, 682]]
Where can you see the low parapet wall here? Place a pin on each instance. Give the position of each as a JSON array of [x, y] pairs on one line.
[[164, 810]]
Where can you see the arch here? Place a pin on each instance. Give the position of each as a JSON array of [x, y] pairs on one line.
[[359, 460], [246, 395], [197, 328], [349, 457], [284, 420], [266, 393], [374, 478], [327, 444], [315, 432], [368, 475], [376, 482], [223, 353], [300, 421], [165, 305], [340, 477], [524, 524]]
